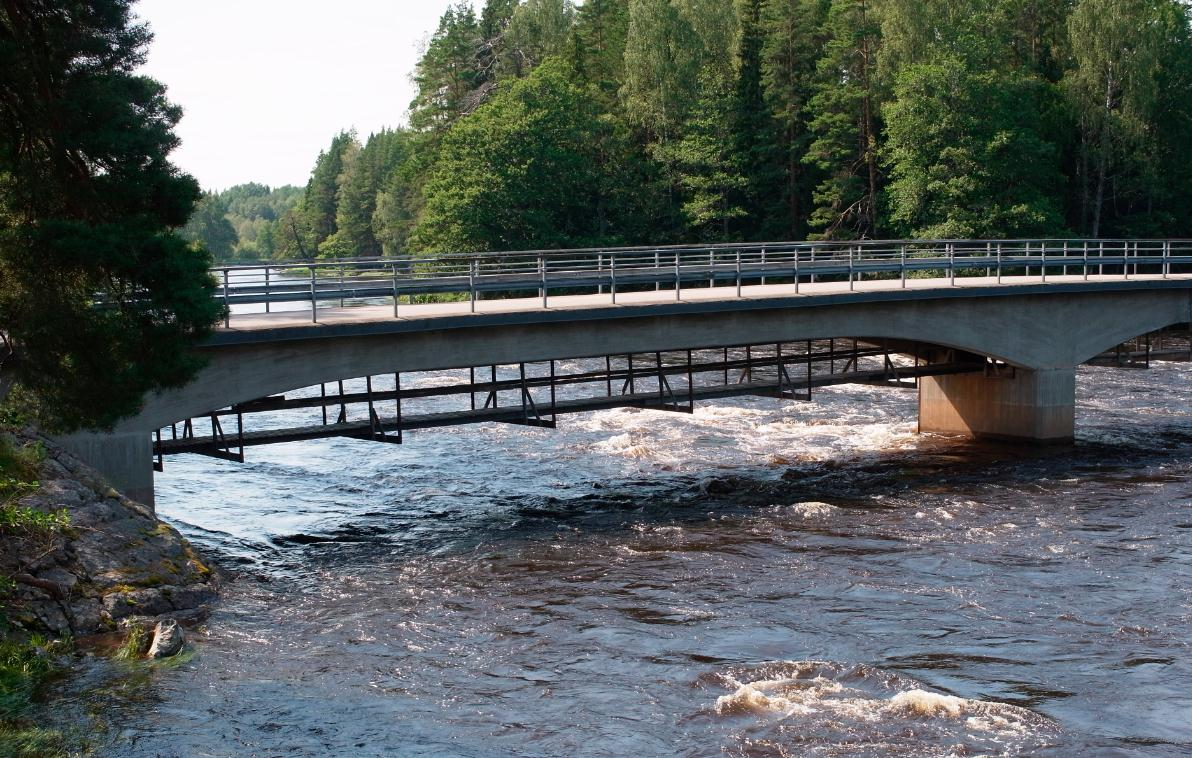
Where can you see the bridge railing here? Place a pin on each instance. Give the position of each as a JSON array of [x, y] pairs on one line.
[[610, 272]]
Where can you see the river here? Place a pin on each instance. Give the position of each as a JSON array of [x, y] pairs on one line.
[[761, 578]]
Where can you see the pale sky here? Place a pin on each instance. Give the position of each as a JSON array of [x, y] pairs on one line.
[[266, 84]]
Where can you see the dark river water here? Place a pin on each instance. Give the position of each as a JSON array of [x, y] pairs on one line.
[[763, 578]]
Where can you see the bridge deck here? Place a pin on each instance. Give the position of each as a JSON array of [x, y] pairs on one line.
[[805, 293]]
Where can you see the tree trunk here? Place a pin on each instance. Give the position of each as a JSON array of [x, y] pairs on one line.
[[1103, 157]]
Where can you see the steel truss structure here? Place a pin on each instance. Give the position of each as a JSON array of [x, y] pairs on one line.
[[668, 380]]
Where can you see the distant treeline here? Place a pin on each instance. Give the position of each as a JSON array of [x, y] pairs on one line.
[[242, 223], [540, 124]]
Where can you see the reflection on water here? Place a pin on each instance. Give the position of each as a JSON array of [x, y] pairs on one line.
[[762, 578]]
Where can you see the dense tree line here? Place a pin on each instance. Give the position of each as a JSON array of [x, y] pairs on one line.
[[543, 123], [241, 223]]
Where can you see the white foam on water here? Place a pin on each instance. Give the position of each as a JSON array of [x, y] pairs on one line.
[[797, 696], [826, 692], [812, 509], [923, 703]]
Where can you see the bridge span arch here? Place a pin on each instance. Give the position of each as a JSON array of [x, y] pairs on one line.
[[1043, 330]]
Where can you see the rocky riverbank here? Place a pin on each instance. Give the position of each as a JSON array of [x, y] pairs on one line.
[[113, 565]]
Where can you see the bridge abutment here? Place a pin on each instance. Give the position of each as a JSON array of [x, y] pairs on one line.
[[1030, 405], [125, 459]]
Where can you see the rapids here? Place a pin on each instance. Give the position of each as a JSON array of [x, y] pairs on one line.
[[848, 588]]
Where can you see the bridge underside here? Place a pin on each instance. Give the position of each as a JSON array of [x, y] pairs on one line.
[[1036, 333]]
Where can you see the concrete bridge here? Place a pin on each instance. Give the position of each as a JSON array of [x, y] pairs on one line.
[[1032, 310]]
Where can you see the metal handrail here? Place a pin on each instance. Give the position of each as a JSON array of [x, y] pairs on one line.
[[674, 267]]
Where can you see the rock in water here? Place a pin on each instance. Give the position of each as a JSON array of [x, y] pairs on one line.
[[168, 639]]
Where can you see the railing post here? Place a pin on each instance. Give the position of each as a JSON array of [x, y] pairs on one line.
[[613, 273], [711, 268], [902, 264], [678, 279], [1126, 260], [395, 291], [1166, 258], [951, 264], [472, 283], [1086, 260], [796, 269], [658, 279], [267, 289], [999, 263], [599, 273], [314, 304], [227, 305], [1043, 260], [738, 272], [1064, 270], [850, 268], [763, 265], [542, 276]]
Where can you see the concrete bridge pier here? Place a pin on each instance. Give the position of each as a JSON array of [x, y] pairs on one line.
[[1035, 405], [125, 459]]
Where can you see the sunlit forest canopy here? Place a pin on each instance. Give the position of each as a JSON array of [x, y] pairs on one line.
[[548, 123]]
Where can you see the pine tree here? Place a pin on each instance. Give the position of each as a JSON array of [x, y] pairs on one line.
[[846, 124], [708, 167], [448, 73], [537, 30], [598, 48], [794, 42], [88, 199], [322, 191], [754, 136]]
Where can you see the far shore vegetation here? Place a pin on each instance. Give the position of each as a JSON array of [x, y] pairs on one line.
[[545, 124]]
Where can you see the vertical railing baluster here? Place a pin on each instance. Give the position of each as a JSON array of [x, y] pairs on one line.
[[472, 271], [267, 290], [395, 294], [678, 279], [738, 273], [227, 304], [542, 276], [902, 264], [613, 276], [314, 305]]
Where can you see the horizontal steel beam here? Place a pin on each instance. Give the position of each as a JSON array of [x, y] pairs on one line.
[[516, 414]]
